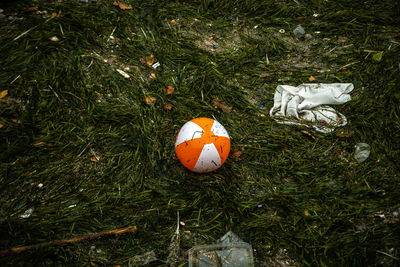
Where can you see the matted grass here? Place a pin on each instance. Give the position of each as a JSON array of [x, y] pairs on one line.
[[105, 159]]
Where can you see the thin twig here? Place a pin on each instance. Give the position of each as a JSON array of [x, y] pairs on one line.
[[15, 250]]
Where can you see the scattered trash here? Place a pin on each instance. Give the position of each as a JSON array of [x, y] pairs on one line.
[[362, 152], [230, 250], [299, 32], [27, 213], [315, 15], [259, 206], [260, 106], [123, 73], [54, 39], [281, 31], [143, 259], [156, 65], [307, 103], [40, 185], [182, 223], [72, 206]]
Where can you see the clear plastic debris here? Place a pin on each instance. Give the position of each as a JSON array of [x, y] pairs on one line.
[[230, 250], [362, 152]]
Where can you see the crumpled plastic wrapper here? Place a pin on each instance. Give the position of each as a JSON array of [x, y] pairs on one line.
[[308, 104]]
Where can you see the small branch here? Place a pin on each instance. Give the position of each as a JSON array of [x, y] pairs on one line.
[[16, 250]]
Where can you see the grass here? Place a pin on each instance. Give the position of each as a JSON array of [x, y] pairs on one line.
[[106, 158]]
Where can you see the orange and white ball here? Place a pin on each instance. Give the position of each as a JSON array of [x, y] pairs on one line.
[[202, 145]]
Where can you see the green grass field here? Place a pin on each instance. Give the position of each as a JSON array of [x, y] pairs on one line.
[[91, 151]]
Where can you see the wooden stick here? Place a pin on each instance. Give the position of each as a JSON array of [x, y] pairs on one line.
[[69, 241]]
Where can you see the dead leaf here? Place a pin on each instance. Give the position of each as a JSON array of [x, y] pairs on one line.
[[306, 213], [15, 121], [312, 79], [149, 60], [172, 21], [122, 6], [150, 99], [168, 106], [1, 125], [169, 90], [235, 153], [53, 15], [40, 144], [152, 76], [222, 106], [308, 134], [32, 9], [343, 69], [3, 93], [372, 51], [94, 159]]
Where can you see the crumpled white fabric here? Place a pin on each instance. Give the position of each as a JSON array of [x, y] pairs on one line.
[[307, 103]]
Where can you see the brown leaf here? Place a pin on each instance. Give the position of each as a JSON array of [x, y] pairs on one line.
[[306, 213], [53, 15], [308, 134], [168, 107], [40, 144], [32, 9], [372, 51], [3, 93], [94, 159], [343, 69], [150, 99], [235, 153], [222, 106], [312, 79], [122, 6], [1, 125], [169, 90]]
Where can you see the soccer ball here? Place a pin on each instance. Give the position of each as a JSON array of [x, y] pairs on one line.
[[202, 145]]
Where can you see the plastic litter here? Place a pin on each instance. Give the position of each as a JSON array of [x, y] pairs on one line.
[[307, 104], [230, 250], [143, 259], [299, 31], [27, 213], [362, 152]]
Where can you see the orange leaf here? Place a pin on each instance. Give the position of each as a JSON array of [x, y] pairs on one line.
[[168, 107], [150, 99], [169, 90], [222, 106], [32, 9], [40, 144], [343, 69], [172, 21], [94, 159], [3, 93], [235, 153], [122, 6], [312, 79]]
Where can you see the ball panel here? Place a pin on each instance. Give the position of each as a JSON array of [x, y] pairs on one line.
[[189, 131], [209, 159], [189, 151], [204, 123], [223, 146], [218, 129]]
